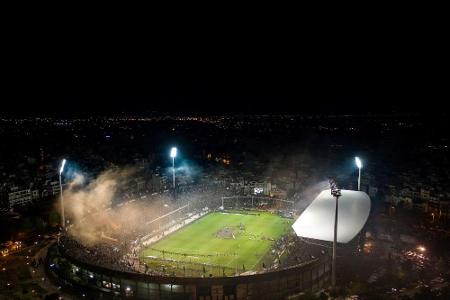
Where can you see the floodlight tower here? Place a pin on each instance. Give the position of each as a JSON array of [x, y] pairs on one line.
[[173, 154], [359, 165], [61, 169], [335, 192]]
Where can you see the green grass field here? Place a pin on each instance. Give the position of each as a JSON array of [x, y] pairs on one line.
[[230, 240]]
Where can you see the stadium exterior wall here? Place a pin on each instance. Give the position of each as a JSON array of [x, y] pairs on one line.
[[311, 276]]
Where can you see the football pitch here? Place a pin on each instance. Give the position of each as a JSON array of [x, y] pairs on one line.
[[232, 240]]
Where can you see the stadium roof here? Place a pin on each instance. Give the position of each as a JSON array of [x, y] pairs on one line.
[[317, 220]]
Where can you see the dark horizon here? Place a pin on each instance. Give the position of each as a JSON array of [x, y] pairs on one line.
[[184, 100], [354, 87]]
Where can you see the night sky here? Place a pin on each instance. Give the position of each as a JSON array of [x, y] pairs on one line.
[[85, 81]]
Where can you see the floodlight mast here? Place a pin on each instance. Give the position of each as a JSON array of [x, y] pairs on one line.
[[173, 154], [335, 192], [61, 169], [359, 165]]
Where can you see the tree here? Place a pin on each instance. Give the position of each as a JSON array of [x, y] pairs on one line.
[[358, 288], [337, 292], [26, 225], [407, 266], [39, 224], [308, 296], [440, 265], [53, 218], [425, 294]]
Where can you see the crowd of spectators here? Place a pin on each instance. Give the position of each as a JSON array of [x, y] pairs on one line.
[[299, 251], [102, 254]]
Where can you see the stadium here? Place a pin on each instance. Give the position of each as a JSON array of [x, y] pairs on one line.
[[205, 244]]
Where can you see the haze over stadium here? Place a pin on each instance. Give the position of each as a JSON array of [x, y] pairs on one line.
[[98, 218], [203, 230]]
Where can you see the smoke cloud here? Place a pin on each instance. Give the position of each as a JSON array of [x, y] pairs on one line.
[[104, 210], [94, 215]]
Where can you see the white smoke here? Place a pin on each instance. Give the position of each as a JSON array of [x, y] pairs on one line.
[[92, 213]]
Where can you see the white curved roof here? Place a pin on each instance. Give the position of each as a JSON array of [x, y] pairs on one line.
[[317, 220]]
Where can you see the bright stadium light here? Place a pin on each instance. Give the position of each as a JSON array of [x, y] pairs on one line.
[[173, 154], [358, 162], [359, 165], [61, 169]]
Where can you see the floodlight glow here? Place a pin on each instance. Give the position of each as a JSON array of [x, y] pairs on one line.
[[62, 166], [173, 152], [358, 162]]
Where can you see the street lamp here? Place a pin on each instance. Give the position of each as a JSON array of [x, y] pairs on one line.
[[173, 154], [61, 169], [421, 249], [335, 192], [359, 165]]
